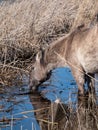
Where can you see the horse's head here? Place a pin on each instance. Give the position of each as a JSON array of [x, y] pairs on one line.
[[39, 71]]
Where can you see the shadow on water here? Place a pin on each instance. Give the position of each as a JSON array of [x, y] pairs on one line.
[[56, 106]]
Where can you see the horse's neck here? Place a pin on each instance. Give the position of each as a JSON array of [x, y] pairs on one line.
[[59, 61]]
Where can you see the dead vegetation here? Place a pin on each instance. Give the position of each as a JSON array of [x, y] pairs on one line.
[[27, 25], [61, 116]]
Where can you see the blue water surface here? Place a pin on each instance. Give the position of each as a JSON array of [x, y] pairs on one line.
[[61, 85]]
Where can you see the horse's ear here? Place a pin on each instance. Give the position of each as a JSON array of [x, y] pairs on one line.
[[44, 47], [38, 56]]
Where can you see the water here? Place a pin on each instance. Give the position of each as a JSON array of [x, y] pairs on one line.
[[17, 111], [13, 107], [61, 86]]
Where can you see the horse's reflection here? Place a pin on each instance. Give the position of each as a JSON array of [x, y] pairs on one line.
[[59, 116]]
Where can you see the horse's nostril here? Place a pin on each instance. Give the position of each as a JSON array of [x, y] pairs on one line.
[[32, 88]]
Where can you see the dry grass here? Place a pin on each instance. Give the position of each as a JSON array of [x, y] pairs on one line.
[[58, 116], [28, 24]]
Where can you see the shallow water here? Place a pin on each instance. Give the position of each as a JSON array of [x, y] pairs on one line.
[[61, 86], [17, 111], [12, 106]]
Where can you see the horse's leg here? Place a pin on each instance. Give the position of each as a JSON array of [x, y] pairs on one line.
[[80, 79], [91, 83], [96, 81]]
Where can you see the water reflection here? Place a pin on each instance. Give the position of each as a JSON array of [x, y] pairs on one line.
[[16, 110], [55, 106], [60, 85], [60, 116], [88, 113]]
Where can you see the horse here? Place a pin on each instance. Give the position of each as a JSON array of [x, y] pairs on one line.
[[78, 50]]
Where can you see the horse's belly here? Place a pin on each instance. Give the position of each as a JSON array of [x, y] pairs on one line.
[[88, 57], [91, 67]]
